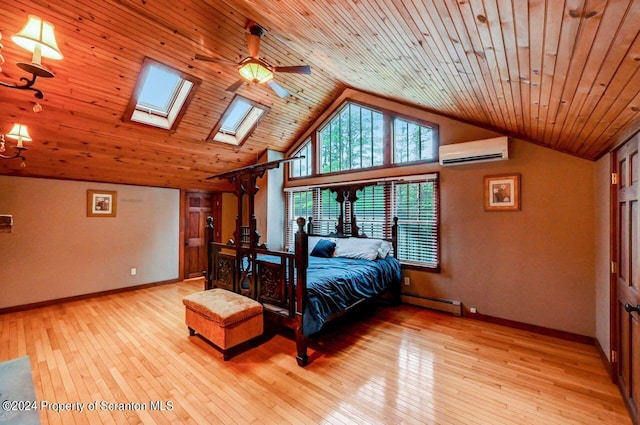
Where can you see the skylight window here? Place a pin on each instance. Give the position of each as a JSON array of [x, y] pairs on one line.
[[237, 113], [159, 90], [238, 121], [161, 95]]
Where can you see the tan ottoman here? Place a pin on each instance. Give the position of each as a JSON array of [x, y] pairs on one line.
[[224, 318]]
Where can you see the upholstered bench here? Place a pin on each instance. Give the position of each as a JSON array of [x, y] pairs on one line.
[[224, 318]]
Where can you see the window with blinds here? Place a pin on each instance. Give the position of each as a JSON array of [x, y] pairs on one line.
[[371, 211], [416, 206], [414, 201], [328, 211], [299, 204], [320, 204]]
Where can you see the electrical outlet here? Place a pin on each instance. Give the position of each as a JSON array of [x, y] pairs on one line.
[[134, 271], [407, 282], [473, 310]]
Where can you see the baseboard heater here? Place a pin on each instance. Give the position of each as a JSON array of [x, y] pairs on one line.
[[447, 306]]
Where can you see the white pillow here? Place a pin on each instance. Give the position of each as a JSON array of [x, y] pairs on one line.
[[384, 250], [357, 248]]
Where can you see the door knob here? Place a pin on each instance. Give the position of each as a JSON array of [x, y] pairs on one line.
[[629, 308]]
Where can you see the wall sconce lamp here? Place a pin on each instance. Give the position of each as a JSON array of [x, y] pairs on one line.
[[20, 133], [38, 38]]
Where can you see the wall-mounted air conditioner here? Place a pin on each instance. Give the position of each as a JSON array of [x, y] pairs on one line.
[[495, 149]]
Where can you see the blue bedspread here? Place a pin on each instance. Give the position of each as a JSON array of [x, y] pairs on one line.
[[333, 284]]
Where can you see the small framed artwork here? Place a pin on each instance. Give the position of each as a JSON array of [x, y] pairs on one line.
[[502, 193], [101, 203]]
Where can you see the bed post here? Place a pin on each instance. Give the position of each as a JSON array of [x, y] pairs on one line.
[[208, 238], [352, 198], [302, 262], [397, 291], [310, 226], [394, 236]]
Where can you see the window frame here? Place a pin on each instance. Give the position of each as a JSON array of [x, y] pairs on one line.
[[143, 114]]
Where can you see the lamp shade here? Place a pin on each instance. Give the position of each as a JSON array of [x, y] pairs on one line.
[[19, 132], [38, 33], [254, 71]]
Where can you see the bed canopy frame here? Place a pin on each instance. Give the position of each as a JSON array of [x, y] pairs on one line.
[[280, 284]]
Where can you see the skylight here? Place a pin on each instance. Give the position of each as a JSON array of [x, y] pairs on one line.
[[237, 113], [159, 90], [163, 94], [238, 121]]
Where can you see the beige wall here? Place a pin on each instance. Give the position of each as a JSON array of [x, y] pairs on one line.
[[603, 253], [56, 251], [534, 266]]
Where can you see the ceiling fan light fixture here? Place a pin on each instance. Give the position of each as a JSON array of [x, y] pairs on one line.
[[255, 71]]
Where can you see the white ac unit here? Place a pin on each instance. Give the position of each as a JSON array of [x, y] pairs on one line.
[[495, 149]]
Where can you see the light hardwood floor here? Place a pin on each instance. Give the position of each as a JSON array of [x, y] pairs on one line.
[[394, 365]]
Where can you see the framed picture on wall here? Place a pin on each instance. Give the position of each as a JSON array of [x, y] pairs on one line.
[[502, 193], [101, 203]]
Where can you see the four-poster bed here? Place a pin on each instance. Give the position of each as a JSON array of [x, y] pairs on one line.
[[324, 277]]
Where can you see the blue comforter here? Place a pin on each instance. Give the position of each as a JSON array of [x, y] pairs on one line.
[[333, 284]]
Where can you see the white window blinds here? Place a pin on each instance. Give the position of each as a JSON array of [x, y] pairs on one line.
[[416, 206], [414, 201]]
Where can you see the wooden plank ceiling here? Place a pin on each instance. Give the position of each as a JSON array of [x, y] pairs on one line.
[[563, 74]]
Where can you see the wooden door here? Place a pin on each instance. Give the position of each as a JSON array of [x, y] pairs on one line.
[[199, 206], [626, 314]]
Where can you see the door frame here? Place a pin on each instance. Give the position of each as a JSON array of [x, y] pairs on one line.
[[613, 275], [181, 211], [181, 227]]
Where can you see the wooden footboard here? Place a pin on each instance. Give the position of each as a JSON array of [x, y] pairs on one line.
[[277, 279]]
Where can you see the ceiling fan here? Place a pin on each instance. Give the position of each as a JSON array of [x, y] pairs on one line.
[[254, 69]]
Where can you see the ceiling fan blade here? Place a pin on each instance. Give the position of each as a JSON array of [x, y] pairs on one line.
[[253, 45], [235, 86], [280, 91], [210, 59], [301, 69]]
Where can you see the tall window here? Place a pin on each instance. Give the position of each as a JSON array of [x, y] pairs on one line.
[[412, 142], [303, 167], [416, 206], [353, 139], [413, 201]]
